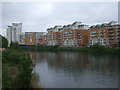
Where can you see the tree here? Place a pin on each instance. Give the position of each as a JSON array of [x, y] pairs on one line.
[[4, 42], [14, 45]]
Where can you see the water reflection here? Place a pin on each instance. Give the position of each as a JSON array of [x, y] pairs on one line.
[[73, 69]]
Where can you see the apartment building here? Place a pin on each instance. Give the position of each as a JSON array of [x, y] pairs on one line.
[[75, 38], [22, 39], [43, 40], [107, 34], [74, 35], [52, 38], [32, 38], [54, 35], [75, 25], [9, 34], [17, 30], [13, 32]]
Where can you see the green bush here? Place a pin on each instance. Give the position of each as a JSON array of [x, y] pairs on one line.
[[12, 59], [3, 42], [14, 45]]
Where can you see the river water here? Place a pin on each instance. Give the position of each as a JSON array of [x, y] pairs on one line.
[[75, 70]]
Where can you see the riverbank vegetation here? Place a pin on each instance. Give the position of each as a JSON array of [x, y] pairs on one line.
[[93, 49], [16, 66], [16, 69]]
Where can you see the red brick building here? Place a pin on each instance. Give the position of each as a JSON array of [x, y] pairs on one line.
[[105, 34], [30, 39], [43, 40], [74, 38]]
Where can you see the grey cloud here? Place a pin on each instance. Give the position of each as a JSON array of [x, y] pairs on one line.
[[40, 16]]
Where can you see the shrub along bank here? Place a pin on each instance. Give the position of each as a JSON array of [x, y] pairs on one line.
[[16, 66], [93, 49], [16, 69]]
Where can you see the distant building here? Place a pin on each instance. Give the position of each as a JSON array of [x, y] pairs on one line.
[[107, 34], [52, 38], [32, 38], [13, 32], [74, 38], [9, 34], [67, 35], [43, 40], [54, 29], [22, 39]]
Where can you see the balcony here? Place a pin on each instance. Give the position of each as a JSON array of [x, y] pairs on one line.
[[118, 30], [118, 34], [111, 34], [100, 34], [93, 35], [118, 37], [93, 32], [111, 37], [111, 41], [111, 31]]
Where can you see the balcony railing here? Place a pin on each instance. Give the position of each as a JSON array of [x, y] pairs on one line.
[[118, 34], [111, 31], [118, 30], [118, 37], [111, 37], [111, 34]]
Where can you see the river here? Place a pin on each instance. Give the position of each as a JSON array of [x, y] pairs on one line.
[[75, 70]]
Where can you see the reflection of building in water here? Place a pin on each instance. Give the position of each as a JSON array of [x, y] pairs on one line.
[[104, 63], [74, 62], [78, 62], [32, 55], [43, 56], [68, 61]]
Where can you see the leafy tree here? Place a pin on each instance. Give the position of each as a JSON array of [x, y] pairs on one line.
[[4, 42], [14, 45]]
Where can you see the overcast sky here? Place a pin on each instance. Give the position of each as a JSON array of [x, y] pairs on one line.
[[37, 17]]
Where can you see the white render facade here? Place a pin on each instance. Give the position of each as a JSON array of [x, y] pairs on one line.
[[55, 28], [22, 39], [17, 31], [73, 26], [14, 32], [101, 41], [9, 34], [52, 43]]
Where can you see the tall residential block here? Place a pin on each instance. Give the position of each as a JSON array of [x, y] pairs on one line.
[[9, 34], [13, 32]]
